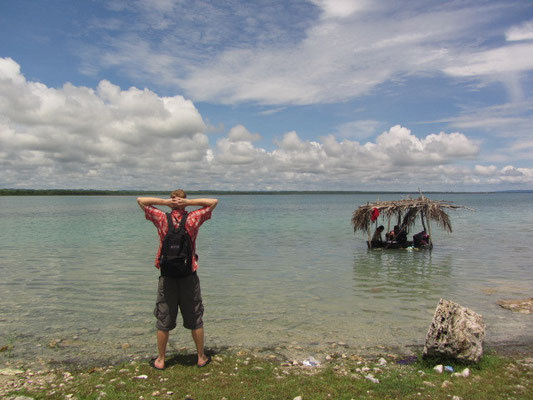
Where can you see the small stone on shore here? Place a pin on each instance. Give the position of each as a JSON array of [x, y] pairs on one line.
[[464, 374]]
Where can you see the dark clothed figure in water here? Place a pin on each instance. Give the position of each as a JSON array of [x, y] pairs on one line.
[[421, 239], [377, 234]]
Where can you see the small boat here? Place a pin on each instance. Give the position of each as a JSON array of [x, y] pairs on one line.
[[406, 213], [388, 244]]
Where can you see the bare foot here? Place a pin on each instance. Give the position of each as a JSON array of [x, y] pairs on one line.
[[158, 363], [203, 361]]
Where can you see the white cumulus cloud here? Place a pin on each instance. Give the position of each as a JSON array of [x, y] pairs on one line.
[[116, 138], [84, 135], [239, 133]]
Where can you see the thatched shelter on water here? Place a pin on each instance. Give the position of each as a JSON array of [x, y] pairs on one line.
[[404, 214]]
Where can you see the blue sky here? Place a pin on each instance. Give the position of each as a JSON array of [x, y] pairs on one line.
[[266, 95]]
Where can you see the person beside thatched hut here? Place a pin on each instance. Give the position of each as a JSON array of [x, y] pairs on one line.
[[421, 239], [377, 234], [401, 236], [397, 235], [391, 236]]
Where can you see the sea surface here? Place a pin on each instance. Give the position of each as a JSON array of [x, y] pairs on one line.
[[279, 272]]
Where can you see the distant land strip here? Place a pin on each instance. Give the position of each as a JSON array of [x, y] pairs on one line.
[[97, 192]]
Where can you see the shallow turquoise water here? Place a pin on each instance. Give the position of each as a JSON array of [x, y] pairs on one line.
[[276, 270]]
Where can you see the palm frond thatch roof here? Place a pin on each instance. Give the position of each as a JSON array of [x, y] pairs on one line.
[[407, 210]]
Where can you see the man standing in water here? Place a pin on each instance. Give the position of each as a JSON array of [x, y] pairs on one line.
[[183, 292]]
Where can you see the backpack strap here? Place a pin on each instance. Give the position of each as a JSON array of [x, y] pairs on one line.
[[181, 224], [169, 221], [183, 220]]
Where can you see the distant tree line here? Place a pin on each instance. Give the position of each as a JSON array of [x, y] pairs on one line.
[[97, 192], [68, 192]]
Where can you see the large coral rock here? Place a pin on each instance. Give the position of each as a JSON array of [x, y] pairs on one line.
[[456, 332]]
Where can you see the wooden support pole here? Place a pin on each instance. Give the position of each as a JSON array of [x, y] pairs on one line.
[[429, 233], [423, 222]]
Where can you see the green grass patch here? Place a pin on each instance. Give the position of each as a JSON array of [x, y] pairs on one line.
[[232, 376]]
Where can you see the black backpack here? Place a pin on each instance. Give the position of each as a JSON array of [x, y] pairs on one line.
[[176, 251]]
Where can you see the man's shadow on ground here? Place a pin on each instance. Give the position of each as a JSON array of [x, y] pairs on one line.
[[188, 359]]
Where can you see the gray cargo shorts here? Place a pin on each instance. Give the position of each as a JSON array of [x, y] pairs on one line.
[[183, 293]]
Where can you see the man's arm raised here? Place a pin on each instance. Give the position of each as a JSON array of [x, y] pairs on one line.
[[153, 201], [211, 203], [176, 202]]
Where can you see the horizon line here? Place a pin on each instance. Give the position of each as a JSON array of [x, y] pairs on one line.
[[26, 191]]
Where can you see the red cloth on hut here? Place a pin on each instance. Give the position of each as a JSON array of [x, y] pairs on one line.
[[375, 214]]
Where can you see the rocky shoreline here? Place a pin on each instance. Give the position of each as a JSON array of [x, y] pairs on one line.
[[37, 375]]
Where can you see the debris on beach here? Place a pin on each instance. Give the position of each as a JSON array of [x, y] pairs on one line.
[[455, 332], [311, 362], [408, 360], [464, 374], [523, 306]]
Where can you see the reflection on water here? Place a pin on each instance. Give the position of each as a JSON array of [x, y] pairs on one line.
[[399, 274], [398, 291], [277, 272], [402, 275]]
